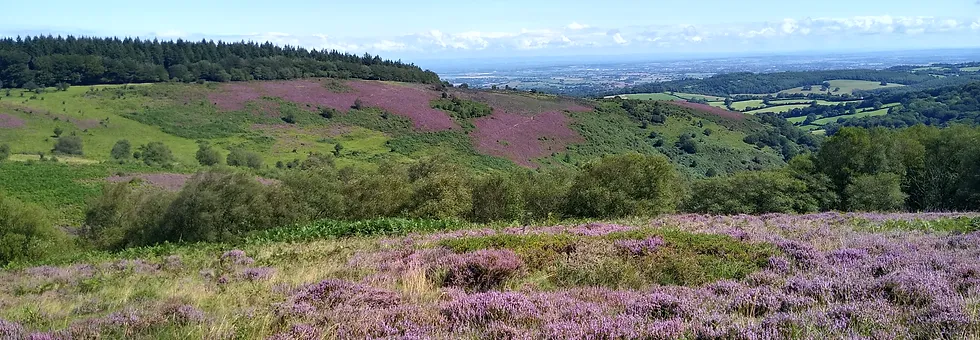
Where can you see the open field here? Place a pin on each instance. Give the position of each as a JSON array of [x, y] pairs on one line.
[[742, 105], [778, 109], [970, 69], [871, 113], [676, 277], [698, 96], [650, 96], [846, 86]]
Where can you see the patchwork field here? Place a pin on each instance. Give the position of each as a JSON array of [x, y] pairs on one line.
[[846, 86], [677, 277]]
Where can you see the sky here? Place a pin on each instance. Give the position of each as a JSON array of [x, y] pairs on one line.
[[454, 29]]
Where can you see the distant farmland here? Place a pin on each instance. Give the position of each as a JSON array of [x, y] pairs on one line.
[[846, 86]]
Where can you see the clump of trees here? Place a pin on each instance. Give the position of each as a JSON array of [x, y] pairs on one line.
[[220, 205], [243, 158]]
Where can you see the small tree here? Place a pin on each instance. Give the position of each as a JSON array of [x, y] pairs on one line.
[[358, 104], [58, 131], [68, 145], [337, 149], [4, 152], [156, 154], [207, 155], [122, 150], [253, 160], [31, 86]]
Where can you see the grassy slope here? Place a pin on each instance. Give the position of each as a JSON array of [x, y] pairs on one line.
[[143, 113]]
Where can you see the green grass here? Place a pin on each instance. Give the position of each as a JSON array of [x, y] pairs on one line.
[[778, 109], [796, 119], [704, 97], [790, 101], [846, 86], [742, 105], [720, 104], [61, 189], [651, 96], [970, 69], [930, 68]]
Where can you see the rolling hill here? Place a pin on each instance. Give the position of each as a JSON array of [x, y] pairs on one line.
[[354, 123]]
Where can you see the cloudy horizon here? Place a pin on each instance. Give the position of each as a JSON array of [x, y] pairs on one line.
[[758, 33]]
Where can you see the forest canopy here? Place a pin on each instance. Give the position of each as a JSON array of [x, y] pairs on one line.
[[54, 61]]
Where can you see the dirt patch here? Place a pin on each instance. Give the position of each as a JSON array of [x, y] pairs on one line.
[[408, 101], [10, 122], [523, 138], [168, 181], [710, 109]]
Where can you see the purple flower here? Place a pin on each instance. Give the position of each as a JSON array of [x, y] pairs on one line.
[[11, 330], [257, 274], [483, 308], [484, 269], [185, 314], [236, 257], [656, 305], [298, 332], [640, 247]]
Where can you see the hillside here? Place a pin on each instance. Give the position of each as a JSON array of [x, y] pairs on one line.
[[353, 123]]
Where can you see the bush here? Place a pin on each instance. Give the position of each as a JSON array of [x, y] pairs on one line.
[[25, 234], [221, 206], [496, 197], [750, 193], [483, 270], [243, 158], [125, 215], [545, 193], [156, 154], [68, 145], [622, 185], [439, 190], [319, 191], [881, 192], [4, 152], [375, 193], [207, 155], [122, 150]]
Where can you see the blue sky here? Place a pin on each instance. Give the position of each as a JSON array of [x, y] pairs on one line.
[[500, 28]]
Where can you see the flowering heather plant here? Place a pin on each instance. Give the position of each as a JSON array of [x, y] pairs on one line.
[[257, 274], [483, 270], [236, 257], [640, 247], [820, 276]]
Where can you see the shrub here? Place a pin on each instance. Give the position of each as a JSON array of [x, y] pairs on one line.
[[483, 270], [750, 193], [122, 150], [881, 192], [58, 131], [621, 185], [545, 194], [25, 233], [496, 197], [220, 206], [318, 190], [207, 155], [243, 158], [156, 154], [375, 193], [4, 152], [124, 215], [439, 190], [68, 145]]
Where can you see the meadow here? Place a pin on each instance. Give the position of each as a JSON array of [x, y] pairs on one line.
[[830, 275], [846, 86]]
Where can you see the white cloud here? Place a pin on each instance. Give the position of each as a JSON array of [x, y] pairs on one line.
[[757, 35], [618, 38]]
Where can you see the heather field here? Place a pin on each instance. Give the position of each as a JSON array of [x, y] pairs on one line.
[[830, 275], [523, 138]]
